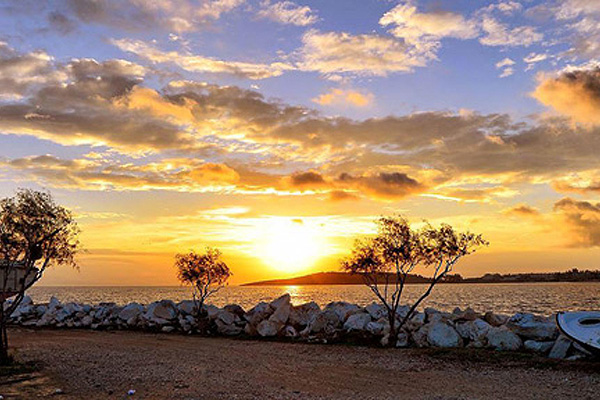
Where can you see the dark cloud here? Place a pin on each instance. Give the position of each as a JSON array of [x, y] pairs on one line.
[[61, 23], [310, 178], [522, 210], [583, 218]]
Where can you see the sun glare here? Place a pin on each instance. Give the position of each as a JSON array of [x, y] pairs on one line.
[[290, 245]]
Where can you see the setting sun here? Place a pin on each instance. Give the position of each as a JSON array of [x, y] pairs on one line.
[[289, 245]]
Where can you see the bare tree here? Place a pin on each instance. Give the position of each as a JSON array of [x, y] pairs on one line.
[[206, 273], [35, 234], [386, 260]]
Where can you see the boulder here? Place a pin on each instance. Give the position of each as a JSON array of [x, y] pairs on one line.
[[290, 332], [258, 313], [375, 328], [342, 309], [226, 317], [376, 310], [537, 346], [300, 316], [327, 321], [402, 339], [267, 328], [187, 307], [228, 329], [160, 312], [357, 322], [167, 329], [443, 335], [473, 330], [560, 348], [131, 310], [235, 309], [27, 301], [211, 311], [285, 299], [282, 312], [54, 303], [467, 315], [495, 319], [533, 327], [419, 337], [502, 339]]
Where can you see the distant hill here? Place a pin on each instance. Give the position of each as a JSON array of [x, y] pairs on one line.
[[332, 278], [343, 278]]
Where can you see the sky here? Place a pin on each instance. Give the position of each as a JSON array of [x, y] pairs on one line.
[[277, 131]]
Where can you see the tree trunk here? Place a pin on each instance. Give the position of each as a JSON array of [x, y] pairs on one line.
[[4, 357], [393, 333]]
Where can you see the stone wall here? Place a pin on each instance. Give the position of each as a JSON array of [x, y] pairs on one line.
[[336, 322]]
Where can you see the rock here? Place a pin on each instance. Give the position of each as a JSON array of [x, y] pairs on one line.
[[402, 339], [131, 310], [161, 312], [376, 311], [385, 340], [357, 322], [300, 316], [54, 303], [267, 328], [473, 330], [211, 311], [167, 329], [419, 336], [27, 301], [187, 307], [440, 317], [561, 348], [226, 317], [402, 311], [285, 299], [443, 335], [87, 321], [258, 313], [467, 315], [235, 309], [532, 326], [537, 346], [228, 327], [495, 319], [290, 332], [327, 321], [342, 309], [502, 339], [375, 328], [282, 313]]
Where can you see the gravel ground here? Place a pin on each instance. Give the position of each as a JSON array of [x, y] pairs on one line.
[[102, 365]]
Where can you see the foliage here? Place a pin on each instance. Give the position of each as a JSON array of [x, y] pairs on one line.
[[35, 233], [398, 249], [206, 273]]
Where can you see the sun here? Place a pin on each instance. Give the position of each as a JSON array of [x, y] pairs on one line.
[[290, 244]]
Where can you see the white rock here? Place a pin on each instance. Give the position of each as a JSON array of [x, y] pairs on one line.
[[561, 348], [160, 312], [532, 326], [473, 330], [537, 346], [300, 316], [402, 340], [258, 313], [167, 329], [375, 328], [267, 328], [503, 339], [131, 310], [342, 309], [327, 321], [290, 331], [443, 335], [282, 313], [187, 307], [419, 336], [285, 299], [53, 303], [376, 310], [495, 319], [357, 322]]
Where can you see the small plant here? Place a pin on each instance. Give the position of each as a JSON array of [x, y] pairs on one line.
[[206, 273], [386, 260]]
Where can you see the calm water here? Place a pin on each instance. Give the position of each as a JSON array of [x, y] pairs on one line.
[[540, 298]]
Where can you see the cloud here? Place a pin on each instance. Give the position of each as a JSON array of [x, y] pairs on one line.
[[506, 62], [287, 12], [310, 178], [533, 58], [522, 210], [507, 72], [418, 27], [131, 15], [583, 219], [342, 97], [572, 92], [169, 174], [332, 53], [61, 23], [196, 63], [499, 34]]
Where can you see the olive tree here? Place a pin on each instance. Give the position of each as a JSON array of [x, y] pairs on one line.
[[206, 273], [385, 261], [35, 234]]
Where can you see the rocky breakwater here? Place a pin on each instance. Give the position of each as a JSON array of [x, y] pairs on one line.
[[336, 322]]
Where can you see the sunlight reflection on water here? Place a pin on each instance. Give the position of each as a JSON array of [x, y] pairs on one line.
[[540, 298]]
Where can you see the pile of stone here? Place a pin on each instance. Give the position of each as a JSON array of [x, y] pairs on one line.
[[336, 322]]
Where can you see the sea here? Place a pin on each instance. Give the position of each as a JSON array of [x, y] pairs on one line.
[[506, 298]]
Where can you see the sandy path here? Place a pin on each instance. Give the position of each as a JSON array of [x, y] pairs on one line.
[[98, 365]]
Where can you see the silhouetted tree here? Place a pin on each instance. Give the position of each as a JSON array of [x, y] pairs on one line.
[[206, 273], [399, 249], [35, 233]]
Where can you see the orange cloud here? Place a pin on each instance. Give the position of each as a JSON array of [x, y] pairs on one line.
[[344, 97]]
